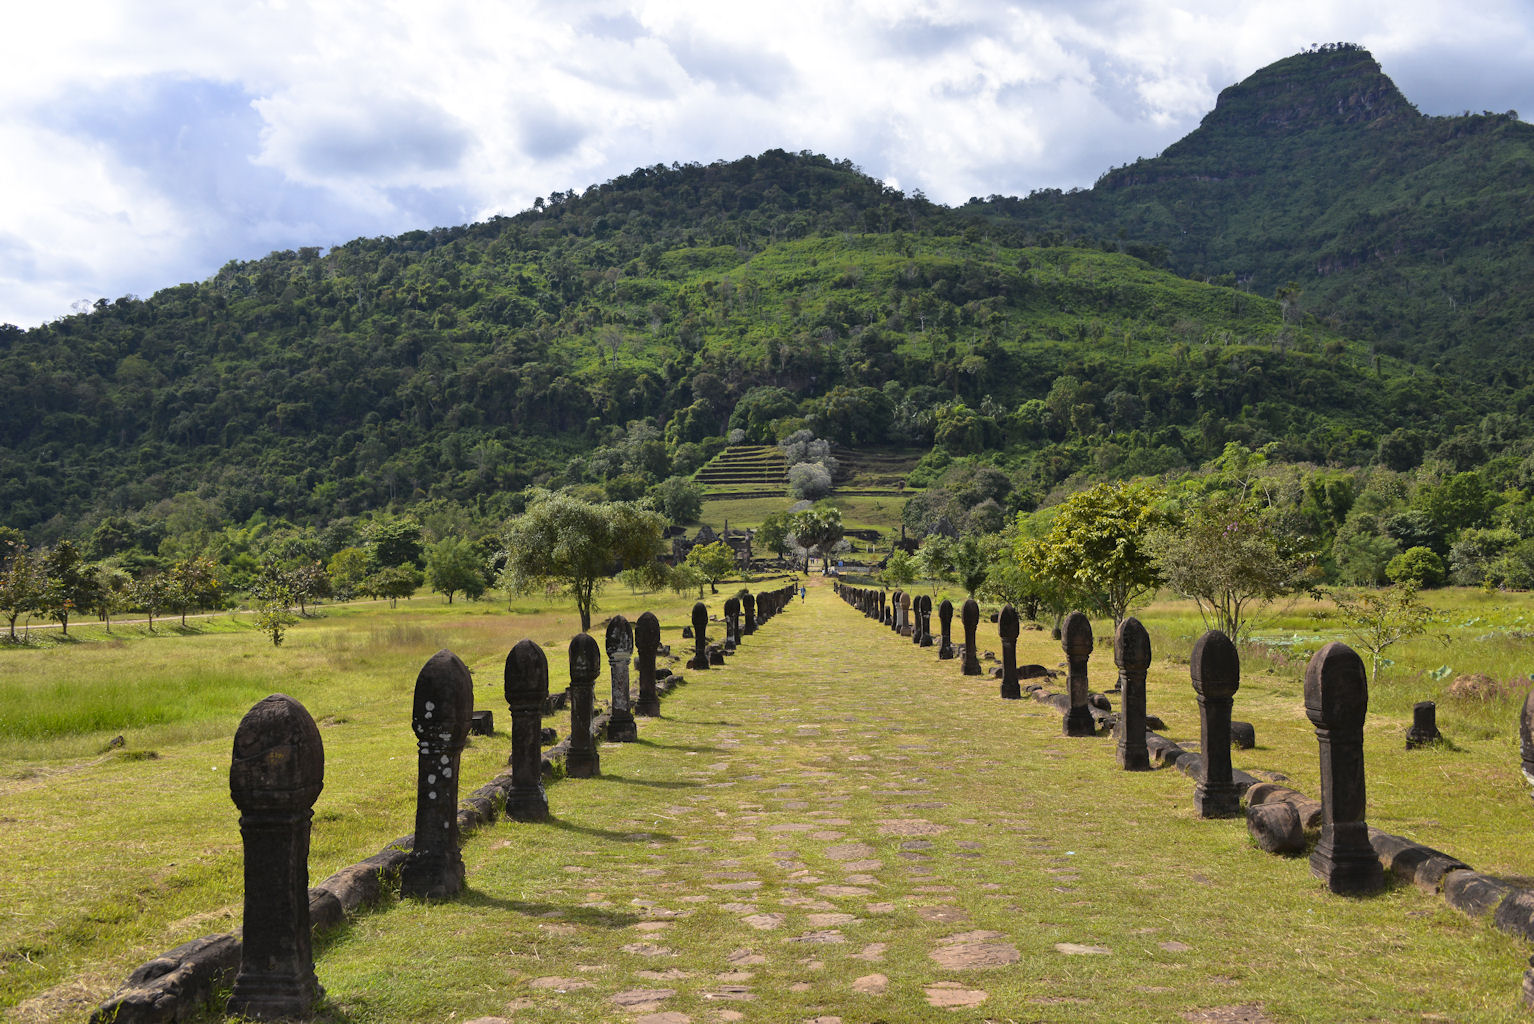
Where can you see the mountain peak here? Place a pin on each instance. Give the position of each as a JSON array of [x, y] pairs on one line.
[[1337, 84]]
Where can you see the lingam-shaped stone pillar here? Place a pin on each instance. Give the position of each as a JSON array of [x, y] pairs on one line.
[[1216, 670], [700, 636], [275, 775], [1132, 655], [1009, 627], [924, 622], [527, 687], [945, 620], [905, 615], [583, 761], [444, 700], [647, 643], [971, 619], [749, 601], [1336, 701], [1076, 641], [621, 727], [731, 624]]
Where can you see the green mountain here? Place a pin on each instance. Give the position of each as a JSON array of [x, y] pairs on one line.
[[1315, 176], [613, 337]]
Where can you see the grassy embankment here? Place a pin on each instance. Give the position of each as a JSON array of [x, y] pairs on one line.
[[117, 856]]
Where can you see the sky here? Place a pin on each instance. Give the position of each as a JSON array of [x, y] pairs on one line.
[[146, 143]]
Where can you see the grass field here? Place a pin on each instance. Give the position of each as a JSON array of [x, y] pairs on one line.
[[860, 511], [832, 808]]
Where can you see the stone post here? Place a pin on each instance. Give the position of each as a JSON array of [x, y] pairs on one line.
[[905, 615], [731, 624], [621, 727], [1132, 655], [647, 643], [893, 620], [1216, 670], [700, 636], [1076, 641], [945, 620], [1008, 625], [925, 621], [1424, 725], [1526, 738], [444, 700], [971, 619], [275, 775], [750, 603], [583, 761], [527, 687], [1336, 700]]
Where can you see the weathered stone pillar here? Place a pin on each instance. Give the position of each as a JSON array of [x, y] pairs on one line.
[[750, 604], [893, 621], [1336, 700], [700, 636], [905, 615], [971, 619], [1076, 641], [945, 620], [583, 761], [925, 621], [621, 727], [1526, 738], [1132, 655], [275, 775], [731, 624], [1009, 627], [1424, 725], [444, 699], [1216, 670], [527, 687], [647, 643]]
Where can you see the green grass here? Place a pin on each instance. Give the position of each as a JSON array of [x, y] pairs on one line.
[[823, 723], [860, 511]]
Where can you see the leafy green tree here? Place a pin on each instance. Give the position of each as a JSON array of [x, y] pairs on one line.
[[348, 568], [394, 540], [899, 570], [21, 584], [1379, 619], [69, 583], [452, 565], [678, 498], [309, 581], [114, 591], [934, 560], [577, 545], [773, 533], [152, 593], [1418, 567], [684, 578], [1231, 558], [646, 578], [1096, 545], [818, 530], [272, 595], [972, 558], [195, 585], [714, 562], [393, 582]]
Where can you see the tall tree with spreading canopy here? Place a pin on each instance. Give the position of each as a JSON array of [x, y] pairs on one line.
[[453, 565], [1096, 545], [714, 562], [577, 545], [1231, 557], [21, 584]]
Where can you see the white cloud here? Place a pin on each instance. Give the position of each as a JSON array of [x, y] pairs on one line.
[[322, 119]]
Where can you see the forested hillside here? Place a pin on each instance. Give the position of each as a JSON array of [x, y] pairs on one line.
[[612, 338], [1317, 178]]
